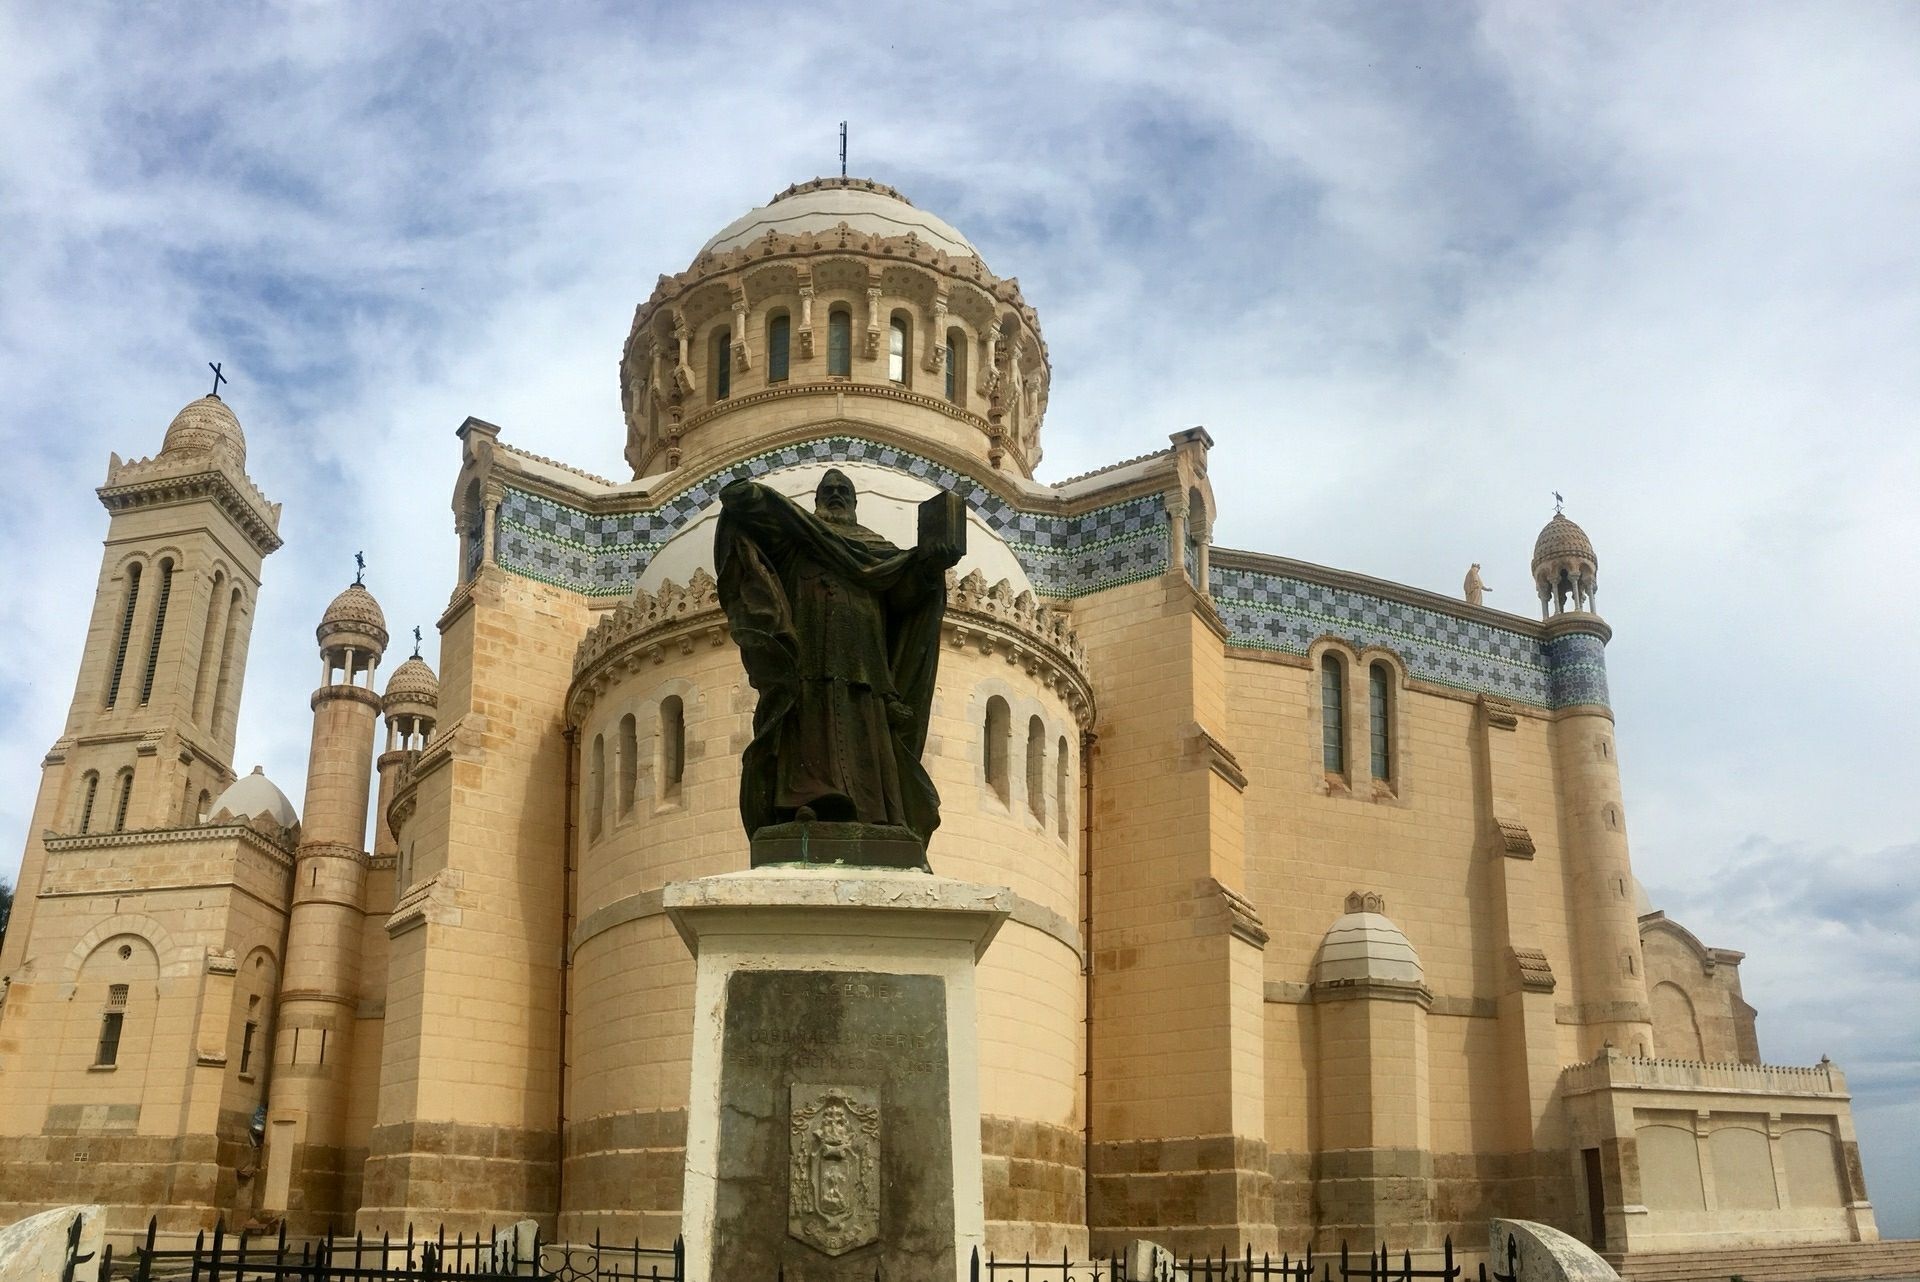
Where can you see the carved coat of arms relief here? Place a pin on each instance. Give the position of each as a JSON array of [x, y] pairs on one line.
[[833, 1186]]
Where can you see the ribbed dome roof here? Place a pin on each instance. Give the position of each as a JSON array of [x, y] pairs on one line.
[[253, 795], [1367, 945], [206, 424], [1562, 538], [825, 203], [413, 682], [354, 610]]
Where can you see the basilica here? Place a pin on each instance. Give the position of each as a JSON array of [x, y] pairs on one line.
[[1323, 920]]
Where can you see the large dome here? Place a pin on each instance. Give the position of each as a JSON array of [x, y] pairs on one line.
[[825, 203], [253, 795]]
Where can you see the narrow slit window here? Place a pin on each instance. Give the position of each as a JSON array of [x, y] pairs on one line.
[[246, 1047], [995, 736], [1379, 721], [629, 762], [956, 367], [596, 785], [86, 802], [209, 642], [1037, 769], [112, 1021], [1060, 786], [840, 343], [673, 746], [223, 693], [779, 338], [720, 363], [126, 634], [159, 629], [126, 799], [1333, 715], [897, 346]]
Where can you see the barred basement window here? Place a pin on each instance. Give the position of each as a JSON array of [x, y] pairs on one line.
[[1333, 719], [159, 627], [840, 343], [779, 333], [126, 633], [1379, 721], [111, 1022]]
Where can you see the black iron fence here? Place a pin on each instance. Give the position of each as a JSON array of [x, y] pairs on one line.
[[246, 1257]]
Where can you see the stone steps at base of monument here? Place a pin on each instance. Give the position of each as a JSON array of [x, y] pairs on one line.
[[1803, 1262]]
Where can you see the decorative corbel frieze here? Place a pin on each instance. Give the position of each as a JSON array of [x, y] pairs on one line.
[[1499, 713], [1530, 967], [1515, 842]]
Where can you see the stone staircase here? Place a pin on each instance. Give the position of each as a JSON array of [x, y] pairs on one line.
[[1809, 1262]]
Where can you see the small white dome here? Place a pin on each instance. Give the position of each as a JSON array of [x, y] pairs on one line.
[[253, 795], [1367, 946], [825, 203]]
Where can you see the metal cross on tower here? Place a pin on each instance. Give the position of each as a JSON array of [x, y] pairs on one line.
[[218, 377]]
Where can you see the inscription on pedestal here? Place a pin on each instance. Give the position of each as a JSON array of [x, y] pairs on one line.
[[835, 1155]]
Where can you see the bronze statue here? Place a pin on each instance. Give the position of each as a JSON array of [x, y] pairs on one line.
[[839, 632]]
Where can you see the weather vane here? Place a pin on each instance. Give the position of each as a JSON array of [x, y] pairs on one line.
[[218, 377], [1558, 502], [843, 149], [416, 640], [359, 568]]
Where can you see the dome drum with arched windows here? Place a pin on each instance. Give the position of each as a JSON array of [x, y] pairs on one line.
[[838, 289], [1566, 570]]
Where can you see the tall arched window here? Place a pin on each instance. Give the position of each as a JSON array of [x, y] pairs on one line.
[[1060, 786], [899, 343], [126, 634], [673, 746], [112, 1018], [629, 762], [87, 796], [719, 364], [159, 629], [1333, 714], [1037, 768], [779, 338], [223, 684], [209, 642], [956, 367], [1380, 720], [125, 800], [205, 804], [840, 343], [995, 740], [597, 786]]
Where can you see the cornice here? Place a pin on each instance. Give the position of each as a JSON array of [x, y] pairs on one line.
[[837, 387], [1306, 571], [149, 483], [56, 843]]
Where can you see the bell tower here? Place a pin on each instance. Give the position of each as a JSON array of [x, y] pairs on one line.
[[149, 735]]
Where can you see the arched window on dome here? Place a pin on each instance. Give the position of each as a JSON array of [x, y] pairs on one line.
[[840, 343], [87, 794], [126, 633], [1060, 786], [1333, 714], [779, 341], [956, 367], [719, 366], [671, 769], [1037, 768], [995, 740], [159, 630], [900, 350], [629, 762], [1380, 720], [597, 787], [125, 800]]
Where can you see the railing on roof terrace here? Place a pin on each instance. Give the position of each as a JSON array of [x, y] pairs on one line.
[[1611, 1068]]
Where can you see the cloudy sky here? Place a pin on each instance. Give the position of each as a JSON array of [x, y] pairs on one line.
[[1414, 266]]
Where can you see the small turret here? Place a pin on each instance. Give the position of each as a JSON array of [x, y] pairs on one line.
[[1566, 571]]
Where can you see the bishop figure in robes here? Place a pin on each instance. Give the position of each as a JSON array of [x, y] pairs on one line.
[[839, 631]]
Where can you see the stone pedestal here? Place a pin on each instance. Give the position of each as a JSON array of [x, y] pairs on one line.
[[834, 1123]]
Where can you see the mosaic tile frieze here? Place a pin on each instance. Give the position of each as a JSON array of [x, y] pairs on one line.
[[603, 555], [1274, 612]]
